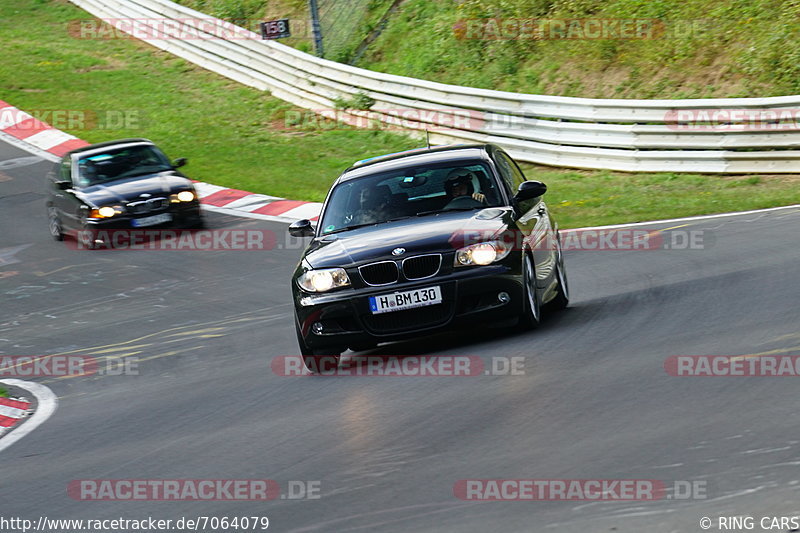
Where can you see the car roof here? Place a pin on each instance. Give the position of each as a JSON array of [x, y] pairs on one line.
[[107, 144], [415, 157]]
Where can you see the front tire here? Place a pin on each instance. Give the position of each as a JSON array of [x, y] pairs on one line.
[[561, 301], [532, 312], [56, 229], [317, 361]]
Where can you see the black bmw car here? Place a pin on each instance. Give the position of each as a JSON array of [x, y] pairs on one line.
[[410, 243], [119, 185]]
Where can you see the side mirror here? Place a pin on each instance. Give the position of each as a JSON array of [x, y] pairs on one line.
[[301, 228], [181, 161], [530, 189]]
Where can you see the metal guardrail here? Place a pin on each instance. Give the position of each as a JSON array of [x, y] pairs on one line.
[[613, 134]]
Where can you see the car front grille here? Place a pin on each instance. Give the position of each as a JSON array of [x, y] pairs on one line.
[[148, 206], [381, 273], [422, 266], [409, 319]]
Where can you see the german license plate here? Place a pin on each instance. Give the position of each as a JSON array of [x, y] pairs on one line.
[[398, 301], [152, 220]]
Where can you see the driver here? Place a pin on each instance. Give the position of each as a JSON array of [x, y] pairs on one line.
[[459, 183], [88, 172]]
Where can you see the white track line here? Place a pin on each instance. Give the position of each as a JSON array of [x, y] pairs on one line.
[[46, 406], [698, 217]]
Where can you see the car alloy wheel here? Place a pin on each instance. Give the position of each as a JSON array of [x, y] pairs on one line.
[[56, 230], [532, 313], [561, 300]]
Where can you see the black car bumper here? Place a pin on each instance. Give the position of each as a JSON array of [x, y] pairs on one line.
[[184, 216], [343, 319]]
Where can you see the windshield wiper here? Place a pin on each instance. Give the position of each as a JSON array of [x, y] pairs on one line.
[[134, 173], [440, 211], [347, 228], [431, 212]]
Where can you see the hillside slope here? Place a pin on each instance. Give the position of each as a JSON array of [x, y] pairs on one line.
[[696, 49]]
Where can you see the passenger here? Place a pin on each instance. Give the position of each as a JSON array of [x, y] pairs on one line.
[[373, 204], [460, 183]]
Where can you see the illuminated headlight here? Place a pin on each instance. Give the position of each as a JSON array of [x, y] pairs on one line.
[[183, 196], [105, 212], [323, 280], [483, 253]]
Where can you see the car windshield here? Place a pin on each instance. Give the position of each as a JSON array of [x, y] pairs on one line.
[[121, 163], [410, 192]]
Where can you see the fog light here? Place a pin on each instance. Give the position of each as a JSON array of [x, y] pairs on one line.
[[317, 327], [503, 297]]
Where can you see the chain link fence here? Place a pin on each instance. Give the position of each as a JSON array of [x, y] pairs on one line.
[[346, 23]]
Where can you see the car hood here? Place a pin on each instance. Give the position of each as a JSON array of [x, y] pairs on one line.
[[442, 232], [157, 185]]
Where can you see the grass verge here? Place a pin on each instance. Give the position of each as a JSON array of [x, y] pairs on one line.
[[239, 137], [588, 198]]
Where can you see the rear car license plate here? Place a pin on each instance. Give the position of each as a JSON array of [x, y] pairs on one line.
[[152, 220], [399, 301]]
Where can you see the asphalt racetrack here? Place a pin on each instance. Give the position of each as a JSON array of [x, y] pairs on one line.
[[594, 400]]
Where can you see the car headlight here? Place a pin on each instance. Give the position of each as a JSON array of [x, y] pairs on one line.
[[183, 196], [323, 280], [482, 253], [105, 212]]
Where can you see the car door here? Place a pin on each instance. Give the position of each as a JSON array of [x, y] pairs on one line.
[[66, 201], [533, 221], [59, 175]]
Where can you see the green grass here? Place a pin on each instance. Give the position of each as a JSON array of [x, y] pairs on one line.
[[3, 393], [243, 138], [727, 48]]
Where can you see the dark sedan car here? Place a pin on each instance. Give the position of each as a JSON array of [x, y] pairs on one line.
[[119, 185], [411, 243]]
